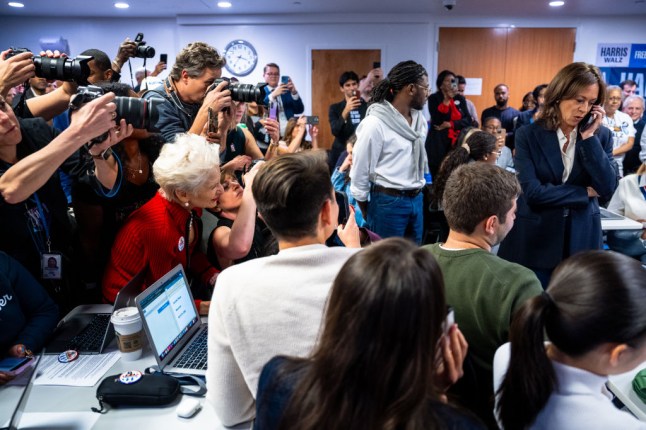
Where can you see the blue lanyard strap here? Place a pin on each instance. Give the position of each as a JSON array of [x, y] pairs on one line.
[[43, 221]]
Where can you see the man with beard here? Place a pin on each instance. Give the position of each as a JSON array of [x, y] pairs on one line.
[[390, 167], [503, 112]]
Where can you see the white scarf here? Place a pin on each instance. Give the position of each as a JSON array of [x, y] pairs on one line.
[[415, 132]]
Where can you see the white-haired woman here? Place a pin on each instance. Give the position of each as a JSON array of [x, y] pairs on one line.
[[166, 230]]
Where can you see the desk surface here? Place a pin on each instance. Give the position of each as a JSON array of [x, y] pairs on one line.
[[59, 399], [622, 387]]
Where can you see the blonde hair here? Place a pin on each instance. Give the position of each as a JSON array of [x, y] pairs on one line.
[[185, 165]]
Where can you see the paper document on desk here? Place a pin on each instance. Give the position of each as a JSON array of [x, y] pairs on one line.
[[85, 371]]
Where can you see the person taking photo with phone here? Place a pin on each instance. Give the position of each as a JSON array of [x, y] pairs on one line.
[[281, 89], [345, 115], [565, 167]]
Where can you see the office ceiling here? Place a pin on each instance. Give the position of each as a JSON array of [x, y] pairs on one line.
[[173, 8]]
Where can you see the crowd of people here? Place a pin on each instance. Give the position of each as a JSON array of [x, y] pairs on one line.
[[306, 329]]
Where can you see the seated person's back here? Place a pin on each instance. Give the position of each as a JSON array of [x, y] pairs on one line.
[[273, 305]]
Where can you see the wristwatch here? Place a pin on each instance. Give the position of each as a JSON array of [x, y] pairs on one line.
[[102, 155]]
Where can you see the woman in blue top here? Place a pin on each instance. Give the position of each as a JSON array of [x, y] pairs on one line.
[[27, 314]]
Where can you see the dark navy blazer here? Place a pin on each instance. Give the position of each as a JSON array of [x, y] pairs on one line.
[[546, 205]]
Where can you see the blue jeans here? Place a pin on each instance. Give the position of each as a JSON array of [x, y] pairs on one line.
[[390, 216]]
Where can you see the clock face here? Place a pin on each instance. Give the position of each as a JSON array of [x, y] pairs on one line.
[[241, 57]]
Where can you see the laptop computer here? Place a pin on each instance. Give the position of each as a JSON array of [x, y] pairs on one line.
[[173, 326], [22, 403], [606, 214], [90, 332]]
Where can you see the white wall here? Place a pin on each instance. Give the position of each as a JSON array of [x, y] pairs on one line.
[[288, 39]]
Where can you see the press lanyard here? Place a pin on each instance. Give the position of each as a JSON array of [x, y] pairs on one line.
[[43, 222]]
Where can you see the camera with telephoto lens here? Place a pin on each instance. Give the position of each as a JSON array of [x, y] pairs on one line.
[[245, 93], [143, 51], [59, 69], [138, 112]]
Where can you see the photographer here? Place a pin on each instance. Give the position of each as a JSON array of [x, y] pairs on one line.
[[20, 68], [32, 204], [196, 67]]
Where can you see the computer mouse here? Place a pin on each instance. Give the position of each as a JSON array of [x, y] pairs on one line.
[[188, 407]]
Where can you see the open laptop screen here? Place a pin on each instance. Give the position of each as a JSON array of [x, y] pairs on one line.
[[169, 312]]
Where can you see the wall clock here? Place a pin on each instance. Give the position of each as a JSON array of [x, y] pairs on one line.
[[241, 57]]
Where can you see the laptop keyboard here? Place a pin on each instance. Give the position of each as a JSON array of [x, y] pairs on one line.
[[91, 337], [194, 357]]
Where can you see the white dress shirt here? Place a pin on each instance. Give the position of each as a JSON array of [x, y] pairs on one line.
[[568, 155], [628, 199]]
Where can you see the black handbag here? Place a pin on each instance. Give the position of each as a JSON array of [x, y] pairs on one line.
[[150, 390]]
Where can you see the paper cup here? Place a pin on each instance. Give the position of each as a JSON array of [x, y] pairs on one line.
[[129, 332]]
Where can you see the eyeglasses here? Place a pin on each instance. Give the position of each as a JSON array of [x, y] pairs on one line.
[[427, 88], [272, 74], [614, 99]]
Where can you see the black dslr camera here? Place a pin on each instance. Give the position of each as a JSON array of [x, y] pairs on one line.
[[142, 50], [60, 69], [138, 112], [245, 93]]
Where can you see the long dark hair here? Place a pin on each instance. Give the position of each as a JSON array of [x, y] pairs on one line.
[[480, 145], [374, 365], [404, 73], [593, 298]]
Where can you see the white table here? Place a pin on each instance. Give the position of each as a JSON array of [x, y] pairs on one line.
[[70, 400], [622, 387]]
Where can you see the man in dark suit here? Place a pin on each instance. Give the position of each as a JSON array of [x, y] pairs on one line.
[[285, 94], [345, 115], [634, 106], [501, 110]]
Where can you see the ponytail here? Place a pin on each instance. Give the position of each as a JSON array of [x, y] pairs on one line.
[[456, 157], [530, 377]]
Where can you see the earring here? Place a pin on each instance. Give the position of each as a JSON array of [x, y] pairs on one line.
[[187, 204]]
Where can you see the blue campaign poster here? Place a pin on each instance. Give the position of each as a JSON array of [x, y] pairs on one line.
[[621, 61]]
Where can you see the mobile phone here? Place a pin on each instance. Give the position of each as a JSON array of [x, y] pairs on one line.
[[212, 121], [376, 64], [284, 79], [357, 94], [163, 58], [344, 206], [449, 321], [273, 110], [11, 364], [586, 122], [312, 120]]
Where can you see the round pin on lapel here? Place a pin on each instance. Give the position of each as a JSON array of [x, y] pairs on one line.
[[180, 244]]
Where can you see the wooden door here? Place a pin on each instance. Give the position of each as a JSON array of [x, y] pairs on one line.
[[519, 57], [327, 67]]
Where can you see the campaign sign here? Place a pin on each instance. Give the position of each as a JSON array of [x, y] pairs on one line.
[[613, 54], [638, 56], [616, 75]]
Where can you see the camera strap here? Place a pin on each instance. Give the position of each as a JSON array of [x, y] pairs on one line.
[[170, 90]]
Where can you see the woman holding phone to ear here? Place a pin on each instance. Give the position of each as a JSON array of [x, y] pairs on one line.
[[565, 166]]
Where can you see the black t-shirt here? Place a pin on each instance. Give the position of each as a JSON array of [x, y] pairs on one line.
[[22, 235], [262, 237]]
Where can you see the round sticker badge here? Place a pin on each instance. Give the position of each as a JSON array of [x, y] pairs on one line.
[[180, 244], [68, 356], [130, 377]]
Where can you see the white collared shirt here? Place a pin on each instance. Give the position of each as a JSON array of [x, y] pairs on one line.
[[568, 155]]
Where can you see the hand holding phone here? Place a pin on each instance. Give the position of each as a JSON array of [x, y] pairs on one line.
[[284, 80]]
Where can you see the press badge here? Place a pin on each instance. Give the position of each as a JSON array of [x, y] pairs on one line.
[[50, 264]]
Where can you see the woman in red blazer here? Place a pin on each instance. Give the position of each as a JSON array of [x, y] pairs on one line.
[[166, 230]]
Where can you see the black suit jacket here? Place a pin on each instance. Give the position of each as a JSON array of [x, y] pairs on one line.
[[342, 129], [556, 219]]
